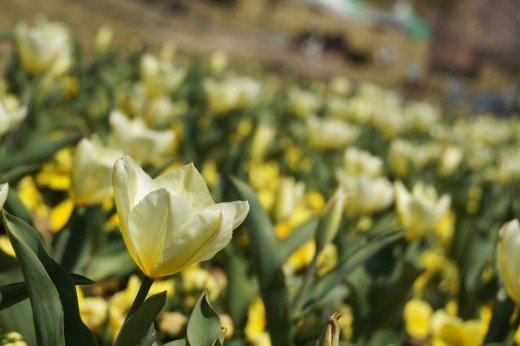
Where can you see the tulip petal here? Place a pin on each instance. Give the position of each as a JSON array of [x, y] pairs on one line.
[[131, 184], [189, 184], [233, 214], [183, 247], [149, 223]]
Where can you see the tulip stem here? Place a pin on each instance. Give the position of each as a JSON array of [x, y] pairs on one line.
[[141, 295], [307, 279]]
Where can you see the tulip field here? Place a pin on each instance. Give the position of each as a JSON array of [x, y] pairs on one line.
[[152, 199]]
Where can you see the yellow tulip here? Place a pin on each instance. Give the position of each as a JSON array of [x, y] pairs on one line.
[[171, 222], [11, 114], [133, 137], [44, 48], [507, 258], [91, 172]]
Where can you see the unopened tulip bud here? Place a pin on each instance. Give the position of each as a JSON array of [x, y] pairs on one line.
[[507, 257], [330, 335], [103, 39], [331, 218]]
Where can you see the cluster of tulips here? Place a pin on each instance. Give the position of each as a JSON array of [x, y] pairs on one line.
[[346, 214]]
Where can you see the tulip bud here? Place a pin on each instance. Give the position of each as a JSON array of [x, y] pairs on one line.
[[450, 161], [330, 335], [4, 189], [331, 218], [508, 249], [103, 39]]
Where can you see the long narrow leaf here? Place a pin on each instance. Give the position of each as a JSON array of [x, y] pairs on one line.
[[47, 310], [265, 250], [324, 284], [28, 240]]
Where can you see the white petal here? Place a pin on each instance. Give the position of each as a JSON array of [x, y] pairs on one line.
[[189, 184], [148, 225], [184, 246], [130, 184]]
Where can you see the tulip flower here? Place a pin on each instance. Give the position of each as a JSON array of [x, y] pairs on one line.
[[4, 189], [507, 258], [44, 48], [328, 133], [137, 140], [91, 172], [421, 210], [11, 114], [160, 77], [171, 222]]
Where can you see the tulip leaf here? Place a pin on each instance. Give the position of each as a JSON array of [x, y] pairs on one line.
[[299, 236], [241, 288], [111, 261], [12, 294], [322, 285], [16, 292], [204, 324], [20, 316], [265, 250], [45, 298], [181, 342], [36, 152], [74, 239], [15, 206], [499, 326], [138, 328], [14, 174], [46, 281]]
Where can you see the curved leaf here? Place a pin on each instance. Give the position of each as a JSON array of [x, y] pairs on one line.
[[47, 310], [204, 324], [28, 241], [138, 329]]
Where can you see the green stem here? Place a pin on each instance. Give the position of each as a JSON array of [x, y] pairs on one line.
[[307, 279], [141, 295]]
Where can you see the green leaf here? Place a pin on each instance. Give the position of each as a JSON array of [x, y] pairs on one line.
[[181, 342], [265, 250], [14, 206], [20, 316], [47, 310], [74, 239], [112, 261], [35, 153], [16, 292], [13, 175], [65, 310], [322, 285], [299, 236], [12, 294], [204, 324], [241, 288], [138, 329]]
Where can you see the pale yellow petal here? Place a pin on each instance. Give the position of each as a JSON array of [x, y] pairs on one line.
[[183, 247], [189, 184]]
